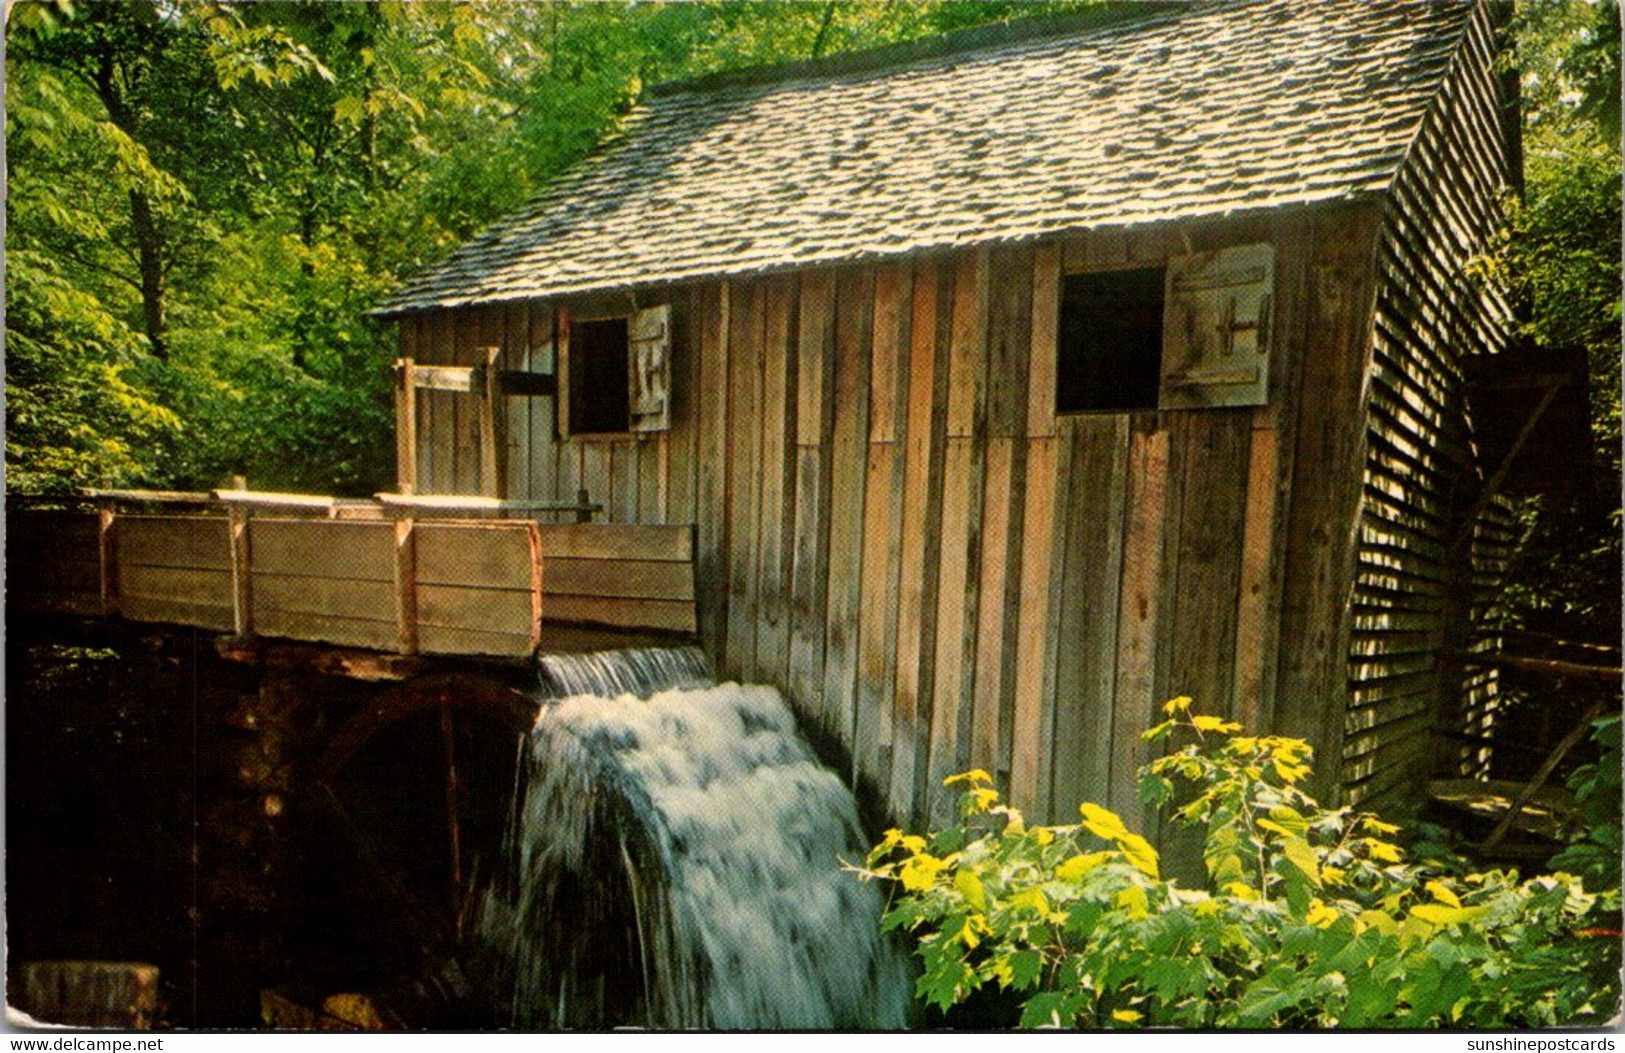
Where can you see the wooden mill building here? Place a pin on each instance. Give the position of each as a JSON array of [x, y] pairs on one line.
[[1017, 381]]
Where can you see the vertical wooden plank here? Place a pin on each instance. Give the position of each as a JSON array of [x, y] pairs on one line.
[[623, 479], [651, 477], [711, 496], [1137, 619], [1327, 479], [854, 333], [442, 409], [872, 737], [488, 407], [1255, 637], [993, 643], [1211, 526], [952, 580], [744, 491], [815, 375], [1029, 733], [922, 512], [685, 409], [467, 337], [242, 594], [406, 427], [594, 456], [406, 588], [1009, 343], [959, 579], [107, 558], [776, 519], [561, 355], [1048, 758], [543, 432], [516, 412], [967, 387], [1086, 660], [1046, 316]]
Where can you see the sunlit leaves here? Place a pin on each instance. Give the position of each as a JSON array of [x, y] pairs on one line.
[[1312, 918]]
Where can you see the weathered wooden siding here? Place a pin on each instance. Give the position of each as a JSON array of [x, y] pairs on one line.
[[895, 526], [1414, 589]]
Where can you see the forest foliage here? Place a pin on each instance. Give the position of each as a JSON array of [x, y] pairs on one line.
[[205, 199]]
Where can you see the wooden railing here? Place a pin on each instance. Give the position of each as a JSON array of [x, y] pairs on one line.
[[410, 575]]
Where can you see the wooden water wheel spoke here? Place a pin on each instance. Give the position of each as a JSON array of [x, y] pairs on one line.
[[454, 830], [449, 773]]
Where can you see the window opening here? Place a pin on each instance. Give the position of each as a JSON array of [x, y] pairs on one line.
[[598, 376], [1110, 341]]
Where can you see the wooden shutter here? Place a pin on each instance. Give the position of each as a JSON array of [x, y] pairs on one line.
[[649, 369], [1217, 317]]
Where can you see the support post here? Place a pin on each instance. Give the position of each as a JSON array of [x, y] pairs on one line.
[[242, 596], [406, 426], [487, 388], [406, 588], [107, 556]]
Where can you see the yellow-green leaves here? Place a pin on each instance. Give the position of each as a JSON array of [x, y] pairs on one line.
[[1310, 917], [1109, 826]]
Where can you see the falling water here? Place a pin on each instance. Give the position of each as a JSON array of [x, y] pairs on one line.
[[677, 864]]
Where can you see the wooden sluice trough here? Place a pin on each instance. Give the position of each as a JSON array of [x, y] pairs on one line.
[[442, 576]]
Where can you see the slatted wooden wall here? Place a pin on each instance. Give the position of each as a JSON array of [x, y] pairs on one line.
[[1415, 598], [894, 525]]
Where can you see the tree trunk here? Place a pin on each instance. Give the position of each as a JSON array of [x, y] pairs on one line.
[[149, 242]]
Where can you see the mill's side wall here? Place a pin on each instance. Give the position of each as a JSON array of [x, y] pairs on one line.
[[896, 527], [1415, 603]]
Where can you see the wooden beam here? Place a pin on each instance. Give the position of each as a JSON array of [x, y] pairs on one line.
[[406, 586], [1549, 666], [1558, 752], [443, 378], [1492, 485], [406, 426]]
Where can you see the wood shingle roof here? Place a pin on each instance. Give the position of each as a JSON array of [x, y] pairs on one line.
[[1203, 110]]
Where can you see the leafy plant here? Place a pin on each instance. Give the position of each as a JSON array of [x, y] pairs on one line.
[[1311, 917]]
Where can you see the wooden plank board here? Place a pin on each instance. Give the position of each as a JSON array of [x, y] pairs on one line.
[[340, 548], [441, 410], [664, 615], [139, 608], [1138, 617], [1009, 340], [809, 578], [685, 391], [991, 719], [467, 337], [1256, 637], [317, 595], [173, 541], [506, 611], [1046, 315], [205, 587], [854, 333], [744, 485], [1086, 659], [517, 411], [922, 511], [711, 497], [950, 710], [616, 541], [495, 555], [437, 639], [647, 579], [872, 740], [967, 387], [594, 456], [776, 518], [1029, 734]]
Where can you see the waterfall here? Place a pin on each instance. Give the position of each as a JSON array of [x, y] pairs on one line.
[[676, 864]]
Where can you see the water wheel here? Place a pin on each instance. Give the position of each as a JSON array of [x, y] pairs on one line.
[[409, 798]]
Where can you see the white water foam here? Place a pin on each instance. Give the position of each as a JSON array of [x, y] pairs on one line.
[[701, 821]]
